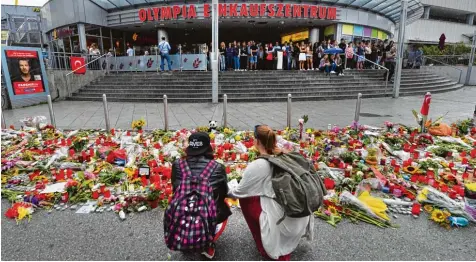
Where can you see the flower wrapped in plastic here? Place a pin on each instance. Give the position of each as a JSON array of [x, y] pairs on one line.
[[430, 195]]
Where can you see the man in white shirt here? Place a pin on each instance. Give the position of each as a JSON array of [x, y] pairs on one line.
[[130, 51], [164, 49]]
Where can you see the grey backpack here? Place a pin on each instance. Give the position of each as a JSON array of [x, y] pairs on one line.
[[298, 187]]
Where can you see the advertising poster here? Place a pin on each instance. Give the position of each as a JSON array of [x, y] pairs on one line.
[[25, 72]]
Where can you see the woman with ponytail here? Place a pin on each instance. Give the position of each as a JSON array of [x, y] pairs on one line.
[[274, 239]]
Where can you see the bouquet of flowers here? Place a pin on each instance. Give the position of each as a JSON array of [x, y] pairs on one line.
[[138, 124]]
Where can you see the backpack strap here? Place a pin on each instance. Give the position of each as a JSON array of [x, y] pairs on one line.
[[207, 171]]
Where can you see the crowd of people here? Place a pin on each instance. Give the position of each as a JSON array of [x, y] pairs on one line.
[[322, 56]]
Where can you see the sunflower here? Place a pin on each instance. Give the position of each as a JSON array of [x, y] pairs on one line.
[[428, 208], [438, 216], [410, 169], [333, 210]]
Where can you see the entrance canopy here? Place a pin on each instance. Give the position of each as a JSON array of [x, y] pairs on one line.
[[387, 8]]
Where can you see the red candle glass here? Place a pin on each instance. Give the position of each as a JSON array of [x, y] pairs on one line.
[[393, 162], [102, 188], [416, 208], [397, 169], [69, 173], [95, 194], [473, 153], [107, 193], [464, 161], [143, 180]]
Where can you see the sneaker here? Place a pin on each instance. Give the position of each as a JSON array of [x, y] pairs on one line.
[[333, 72], [210, 252], [342, 74]]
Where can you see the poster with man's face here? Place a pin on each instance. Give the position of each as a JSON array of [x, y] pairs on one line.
[[25, 71]]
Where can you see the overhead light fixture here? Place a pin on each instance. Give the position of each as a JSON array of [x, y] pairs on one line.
[[162, 24]]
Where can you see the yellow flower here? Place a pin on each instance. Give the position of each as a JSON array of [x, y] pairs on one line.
[[410, 169], [130, 172], [308, 131], [232, 202], [212, 136], [428, 208], [333, 210], [23, 212], [438, 216], [237, 138]]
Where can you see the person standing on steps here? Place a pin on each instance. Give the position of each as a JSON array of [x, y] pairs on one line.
[[253, 56], [390, 63], [164, 49], [222, 50], [244, 56]]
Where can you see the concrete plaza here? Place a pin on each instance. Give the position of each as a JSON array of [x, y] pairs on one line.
[[77, 114]]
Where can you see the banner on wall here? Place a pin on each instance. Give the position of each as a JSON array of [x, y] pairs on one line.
[[152, 63], [25, 72]]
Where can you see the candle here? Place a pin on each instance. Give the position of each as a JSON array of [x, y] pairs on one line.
[[451, 165], [464, 161], [430, 173], [71, 153], [393, 162], [65, 197], [416, 208], [473, 153], [416, 155], [107, 193], [95, 194], [69, 142], [69, 173], [462, 154], [144, 180], [102, 187], [397, 169]]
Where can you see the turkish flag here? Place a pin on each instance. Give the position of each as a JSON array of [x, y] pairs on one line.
[[425, 108], [77, 62]]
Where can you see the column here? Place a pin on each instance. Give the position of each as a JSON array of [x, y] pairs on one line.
[[162, 33], [426, 12], [82, 37], [314, 35], [470, 19]]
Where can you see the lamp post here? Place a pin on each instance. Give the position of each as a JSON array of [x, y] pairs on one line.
[[214, 53], [471, 60], [401, 39]]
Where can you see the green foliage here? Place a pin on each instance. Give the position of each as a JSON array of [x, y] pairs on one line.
[[457, 49]]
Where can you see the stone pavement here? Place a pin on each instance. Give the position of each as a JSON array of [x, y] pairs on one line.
[[374, 111]]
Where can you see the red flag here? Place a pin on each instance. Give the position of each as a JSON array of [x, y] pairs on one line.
[[425, 108], [77, 62]]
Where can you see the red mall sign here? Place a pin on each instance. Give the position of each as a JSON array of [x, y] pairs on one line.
[[239, 10]]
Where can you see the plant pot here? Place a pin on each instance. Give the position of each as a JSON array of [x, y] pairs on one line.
[[153, 203]]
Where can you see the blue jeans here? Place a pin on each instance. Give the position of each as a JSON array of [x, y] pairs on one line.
[[330, 68], [290, 60], [165, 57], [237, 62], [222, 63]]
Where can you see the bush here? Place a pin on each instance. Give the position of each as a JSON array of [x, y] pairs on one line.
[[457, 49]]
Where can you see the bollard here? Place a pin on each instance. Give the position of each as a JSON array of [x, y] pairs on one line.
[[4, 123], [166, 114], [289, 111], [52, 112], [225, 104], [106, 112], [357, 108]]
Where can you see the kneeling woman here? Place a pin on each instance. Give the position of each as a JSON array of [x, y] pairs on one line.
[[274, 240]]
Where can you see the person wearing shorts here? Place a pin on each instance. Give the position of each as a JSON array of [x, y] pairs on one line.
[[253, 56], [361, 56], [310, 65], [302, 56]]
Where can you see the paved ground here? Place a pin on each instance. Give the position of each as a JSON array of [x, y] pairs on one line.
[[64, 235], [76, 114]]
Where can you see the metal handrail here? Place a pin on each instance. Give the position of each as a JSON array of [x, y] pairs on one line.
[[454, 67], [383, 67], [85, 64]]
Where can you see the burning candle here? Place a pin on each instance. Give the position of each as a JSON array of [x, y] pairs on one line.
[[464, 161], [430, 173], [65, 197]]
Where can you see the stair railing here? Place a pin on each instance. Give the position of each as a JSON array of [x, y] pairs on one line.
[[424, 58], [372, 62], [69, 75]]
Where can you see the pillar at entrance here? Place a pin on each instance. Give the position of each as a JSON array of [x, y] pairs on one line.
[[82, 38], [470, 19], [426, 12], [162, 33], [314, 35]]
